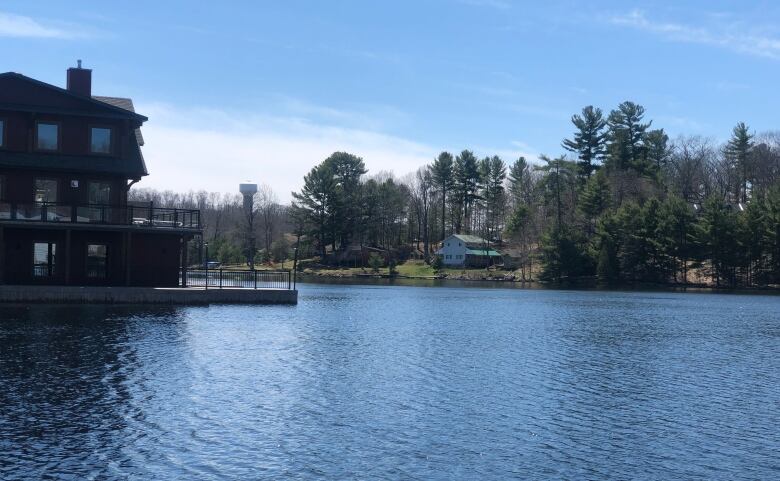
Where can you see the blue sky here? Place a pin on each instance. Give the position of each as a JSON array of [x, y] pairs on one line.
[[264, 90]]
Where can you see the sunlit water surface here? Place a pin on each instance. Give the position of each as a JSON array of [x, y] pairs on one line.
[[386, 382]]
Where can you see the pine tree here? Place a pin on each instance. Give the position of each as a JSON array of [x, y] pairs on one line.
[[656, 150], [316, 203], [520, 182], [442, 179], [716, 233], [563, 254], [626, 135], [676, 236], [772, 219], [594, 199], [589, 140], [558, 180], [466, 185], [738, 151]]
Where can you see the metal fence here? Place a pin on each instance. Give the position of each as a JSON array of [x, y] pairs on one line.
[[247, 279]]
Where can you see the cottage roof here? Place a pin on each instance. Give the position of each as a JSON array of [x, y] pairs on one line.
[[470, 239]]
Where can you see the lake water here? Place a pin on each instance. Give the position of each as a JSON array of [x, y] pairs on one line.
[[385, 382]]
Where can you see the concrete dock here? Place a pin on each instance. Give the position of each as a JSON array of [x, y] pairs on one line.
[[144, 295]]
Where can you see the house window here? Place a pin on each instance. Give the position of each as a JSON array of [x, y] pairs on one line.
[[47, 136], [100, 140], [448, 256], [99, 193], [97, 261], [45, 190], [2, 133], [44, 259]]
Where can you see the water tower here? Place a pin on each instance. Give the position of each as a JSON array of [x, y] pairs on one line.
[[248, 192]]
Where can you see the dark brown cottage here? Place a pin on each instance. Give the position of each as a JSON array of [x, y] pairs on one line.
[[67, 161]]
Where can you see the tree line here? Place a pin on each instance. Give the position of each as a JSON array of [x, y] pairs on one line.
[[623, 203], [230, 233]]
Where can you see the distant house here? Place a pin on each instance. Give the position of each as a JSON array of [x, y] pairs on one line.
[[467, 251]]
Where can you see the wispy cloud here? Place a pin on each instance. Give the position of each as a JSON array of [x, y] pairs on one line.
[[27, 27], [730, 35]]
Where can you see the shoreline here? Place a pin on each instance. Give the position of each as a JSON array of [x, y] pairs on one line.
[[509, 281]]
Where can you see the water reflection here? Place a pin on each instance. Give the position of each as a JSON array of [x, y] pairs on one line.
[[388, 382]]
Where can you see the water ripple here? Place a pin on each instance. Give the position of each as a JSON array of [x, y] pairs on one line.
[[396, 383]]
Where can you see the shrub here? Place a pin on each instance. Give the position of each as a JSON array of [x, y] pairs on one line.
[[375, 262]]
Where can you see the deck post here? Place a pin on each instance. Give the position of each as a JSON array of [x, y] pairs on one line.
[[295, 267], [128, 251], [184, 242], [67, 257], [2, 255]]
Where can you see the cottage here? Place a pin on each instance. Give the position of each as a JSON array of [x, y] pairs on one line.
[[467, 251], [67, 161]]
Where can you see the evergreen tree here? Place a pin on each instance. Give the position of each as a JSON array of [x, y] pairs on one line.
[[589, 140], [466, 186], [607, 263], [738, 152], [676, 237], [656, 150], [563, 254], [493, 174], [772, 212], [717, 236], [594, 199], [347, 169], [626, 135], [557, 182], [755, 240], [316, 203], [518, 229], [443, 180], [520, 182]]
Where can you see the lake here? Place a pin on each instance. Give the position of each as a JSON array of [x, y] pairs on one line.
[[389, 382]]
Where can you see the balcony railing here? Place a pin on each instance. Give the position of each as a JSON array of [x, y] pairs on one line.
[[247, 279], [132, 215]]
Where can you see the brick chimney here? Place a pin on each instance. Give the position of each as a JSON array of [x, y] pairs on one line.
[[80, 80]]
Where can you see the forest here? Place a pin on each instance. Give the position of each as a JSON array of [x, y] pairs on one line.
[[622, 204]]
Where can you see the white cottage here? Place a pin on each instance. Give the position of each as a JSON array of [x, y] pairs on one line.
[[467, 250]]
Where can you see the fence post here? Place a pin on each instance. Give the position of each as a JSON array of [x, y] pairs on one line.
[[220, 278], [255, 272], [295, 269]]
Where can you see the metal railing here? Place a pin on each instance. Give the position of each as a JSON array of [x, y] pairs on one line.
[[247, 279], [142, 216]]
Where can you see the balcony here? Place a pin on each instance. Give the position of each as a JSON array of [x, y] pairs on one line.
[[100, 214]]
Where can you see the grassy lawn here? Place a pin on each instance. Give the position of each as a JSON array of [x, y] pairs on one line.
[[415, 268]]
